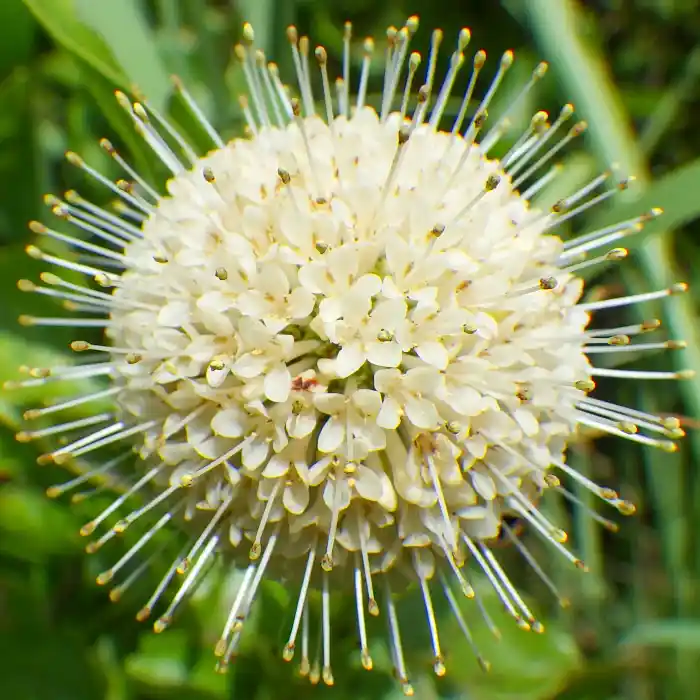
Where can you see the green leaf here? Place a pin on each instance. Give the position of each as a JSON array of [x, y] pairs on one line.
[[18, 161], [60, 20], [15, 350], [670, 193], [32, 526], [125, 31], [17, 32], [524, 665], [679, 634]]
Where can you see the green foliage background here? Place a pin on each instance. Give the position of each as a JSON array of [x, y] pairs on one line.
[[633, 630]]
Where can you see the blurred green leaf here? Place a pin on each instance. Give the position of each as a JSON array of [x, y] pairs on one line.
[[60, 20], [17, 30], [125, 31], [32, 526], [14, 350], [160, 662], [670, 193], [18, 156], [524, 665], [679, 634]]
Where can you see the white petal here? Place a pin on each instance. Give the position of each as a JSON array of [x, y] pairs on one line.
[[483, 485], [255, 453], [296, 498], [273, 281], [390, 414], [465, 400], [329, 403], [389, 313], [433, 353], [301, 425], [384, 354], [368, 401], [386, 380], [234, 535], [422, 413], [527, 421], [278, 384], [231, 422], [249, 366], [253, 304], [174, 314], [318, 471], [368, 484], [276, 467], [336, 494], [423, 380], [349, 360], [331, 436], [367, 286], [300, 303]]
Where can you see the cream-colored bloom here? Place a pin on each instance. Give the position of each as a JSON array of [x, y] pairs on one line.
[[346, 344]]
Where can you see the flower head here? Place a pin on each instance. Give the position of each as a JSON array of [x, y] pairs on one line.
[[346, 347]]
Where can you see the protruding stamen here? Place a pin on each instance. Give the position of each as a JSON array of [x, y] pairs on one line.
[[164, 620], [197, 113], [368, 50], [220, 512], [396, 646], [534, 565], [457, 613], [344, 108], [288, 652], [372, 606], [365, 657], [573, 133], [108, 575], [327, 673], [633, 298], [256, 548], [495, 583], [241, 595], [117, 503]]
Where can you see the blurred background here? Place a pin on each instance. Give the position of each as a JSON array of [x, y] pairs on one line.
[[632, 68]]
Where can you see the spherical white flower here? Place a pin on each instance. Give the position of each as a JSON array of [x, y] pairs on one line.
[[346, 345]]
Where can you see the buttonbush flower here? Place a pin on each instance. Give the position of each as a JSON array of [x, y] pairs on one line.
[[346, 349]]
